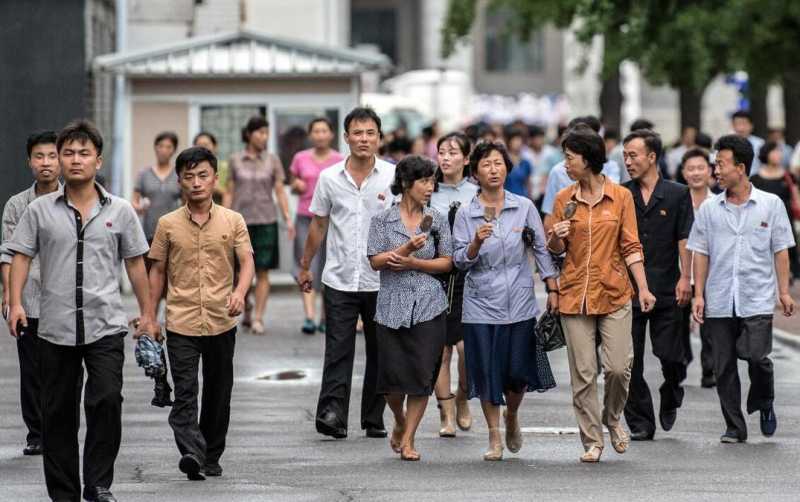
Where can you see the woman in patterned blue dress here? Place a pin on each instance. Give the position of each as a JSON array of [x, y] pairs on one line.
[[409, 243]]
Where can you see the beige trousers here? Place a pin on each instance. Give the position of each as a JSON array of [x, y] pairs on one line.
[[617, 357]]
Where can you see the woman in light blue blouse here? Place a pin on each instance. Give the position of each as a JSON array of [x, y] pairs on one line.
[[454, 190], [491, 236], [409, 243]]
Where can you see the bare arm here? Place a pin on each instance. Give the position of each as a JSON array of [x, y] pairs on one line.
[[227, 195], [247, 270], [157, 278], [136, 202], [5, 271], [783, 272], [137, 273], [283, 204], [700, 269], [683, 290], [316, 232], [20, 266]]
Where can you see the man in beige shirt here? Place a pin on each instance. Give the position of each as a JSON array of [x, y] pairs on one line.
[[194, 251]]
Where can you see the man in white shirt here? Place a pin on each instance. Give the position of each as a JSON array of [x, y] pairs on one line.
[[346, 197]]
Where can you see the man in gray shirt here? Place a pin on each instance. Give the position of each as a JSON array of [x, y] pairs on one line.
[[80, 234], [43, 161]]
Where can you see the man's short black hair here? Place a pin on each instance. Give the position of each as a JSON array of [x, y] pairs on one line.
[[208, 135], [589, 120], [740, 147], [41, 138], [80, 130], [588, 144], [192, 156], [741, 114], [320, 120], [362, 113], [169, 135], [411, 169], [766, 148], [611, 134], [400, 145], [513, 132], [255, 123], [642, 124], [652, 141], [695, 152], [704, 140], [535, 130]]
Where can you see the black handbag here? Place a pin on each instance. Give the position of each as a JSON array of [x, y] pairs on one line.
[[549, 335]]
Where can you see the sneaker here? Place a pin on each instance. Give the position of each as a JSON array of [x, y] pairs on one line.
[[309, 328], [212, 469], [769, 422], [190, 465], [730, 438]]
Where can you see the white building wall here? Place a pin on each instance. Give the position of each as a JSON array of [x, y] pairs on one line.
[[315, 21]]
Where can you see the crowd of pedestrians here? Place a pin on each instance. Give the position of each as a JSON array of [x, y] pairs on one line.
[[430, 256]]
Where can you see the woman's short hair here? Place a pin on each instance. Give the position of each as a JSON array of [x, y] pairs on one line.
[[255, 123], [764, 151], [483, 150], [588, 144], [409, 170]]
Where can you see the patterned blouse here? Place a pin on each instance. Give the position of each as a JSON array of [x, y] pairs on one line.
[[408, 297]]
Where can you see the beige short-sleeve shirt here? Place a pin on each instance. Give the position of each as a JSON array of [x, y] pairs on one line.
[[200, 263]]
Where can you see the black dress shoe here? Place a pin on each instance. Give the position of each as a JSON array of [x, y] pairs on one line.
[[32, 449], [212, 469], [667, 418], [376, 432], [769, 422], [731, 438], [190, 465], [708, 381], [329, 425], [101, 494], [642, 436]]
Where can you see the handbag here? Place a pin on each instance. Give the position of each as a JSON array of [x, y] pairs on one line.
[[795, 195], [549, 335]]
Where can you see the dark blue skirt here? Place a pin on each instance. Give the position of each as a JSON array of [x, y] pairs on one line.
[[502, 357]]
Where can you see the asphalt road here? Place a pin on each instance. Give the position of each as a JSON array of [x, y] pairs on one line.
[[274, 453]]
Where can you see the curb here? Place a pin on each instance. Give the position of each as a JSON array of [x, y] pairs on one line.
[[786, 338]]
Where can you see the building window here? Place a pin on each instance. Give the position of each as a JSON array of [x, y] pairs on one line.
[[506, 51], [375, 26], [291, 127], [225, 122]]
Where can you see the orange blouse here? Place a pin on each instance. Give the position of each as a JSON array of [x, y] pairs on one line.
[[602, 240]]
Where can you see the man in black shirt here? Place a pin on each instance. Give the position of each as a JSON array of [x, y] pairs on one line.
[[664, 216]]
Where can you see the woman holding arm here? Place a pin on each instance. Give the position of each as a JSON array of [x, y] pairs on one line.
[[596, 232], [491, 236], [409, 243]]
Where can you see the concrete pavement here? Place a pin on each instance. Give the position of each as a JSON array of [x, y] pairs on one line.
[[274, 454]]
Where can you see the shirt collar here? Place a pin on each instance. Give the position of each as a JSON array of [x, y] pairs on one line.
[[755, 196], [457, 186], [575, 194], [376, 167], [104, 196], [510, 201], [189, 213], [258, 156]]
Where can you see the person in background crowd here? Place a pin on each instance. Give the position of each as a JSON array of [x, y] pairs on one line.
[[740, 241], [398, 149], [674, 156], [538, 152], [203, 304], [430, 136], [776, 135], [43, 163], [305, 169], [664, 218], [255, 175], [410, 315], [742, 124], [157, 191], [454, 191], [347, 195], [772, 177], [611, 139], [492, 235], [559, 179], [518, 178], [209, 142], [696, 169], [80, 234], [596, 232]]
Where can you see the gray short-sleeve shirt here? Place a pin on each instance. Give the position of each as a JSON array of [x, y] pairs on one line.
[[80, 264], [164, 196]]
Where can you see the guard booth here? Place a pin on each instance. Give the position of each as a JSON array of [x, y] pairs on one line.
[[215, 83]]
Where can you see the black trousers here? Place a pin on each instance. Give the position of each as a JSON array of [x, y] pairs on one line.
[[342, 310], [204, 439], [61, 375], [669, 346], [749, 339], [30, 381]]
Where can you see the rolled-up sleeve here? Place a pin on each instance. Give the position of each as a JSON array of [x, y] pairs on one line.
[[321, 201], [782, 236], [547, 268], [698, 237], [462, 236], [25, 239], [377, 242], [629, 245]]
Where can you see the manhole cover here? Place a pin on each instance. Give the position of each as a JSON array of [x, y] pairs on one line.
[[284, 375]]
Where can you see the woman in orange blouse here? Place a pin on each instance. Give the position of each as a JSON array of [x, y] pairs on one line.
[[596, 232]]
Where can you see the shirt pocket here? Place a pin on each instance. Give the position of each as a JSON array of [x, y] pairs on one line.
[[760, 241]]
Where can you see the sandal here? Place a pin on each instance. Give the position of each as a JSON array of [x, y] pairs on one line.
[[592, 456], [619, 439]]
